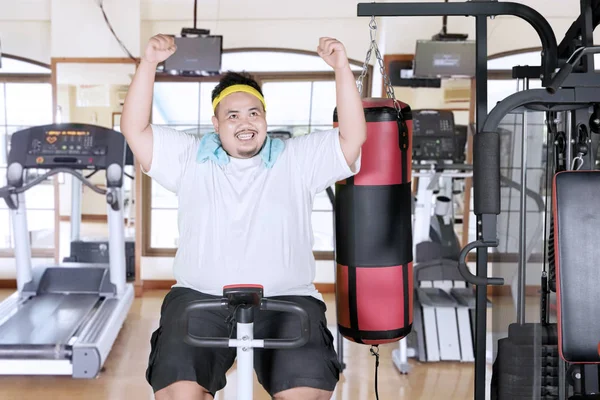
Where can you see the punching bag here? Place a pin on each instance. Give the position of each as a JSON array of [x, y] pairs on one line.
[[374, 274]]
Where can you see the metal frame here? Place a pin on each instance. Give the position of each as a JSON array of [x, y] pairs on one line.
[[582, 92], [480, 10]]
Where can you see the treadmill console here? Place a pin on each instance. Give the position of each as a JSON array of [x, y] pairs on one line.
[[75, 146], [436, 137]]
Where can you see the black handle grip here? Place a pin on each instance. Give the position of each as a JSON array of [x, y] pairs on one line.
[[285, 306], [464, 269], [202, 305], [266, 304], [559, 78], [486, 173]]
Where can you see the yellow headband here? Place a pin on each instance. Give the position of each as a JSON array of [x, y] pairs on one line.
[[238, 88]]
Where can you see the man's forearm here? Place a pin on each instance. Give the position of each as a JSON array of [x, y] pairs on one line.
[[135, 119], [138, 102], [351, 117]]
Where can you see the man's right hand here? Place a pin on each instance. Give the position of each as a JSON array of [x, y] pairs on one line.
[[159, 48], [135, 121]]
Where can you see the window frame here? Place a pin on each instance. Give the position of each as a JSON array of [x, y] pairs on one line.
[[262, 77]]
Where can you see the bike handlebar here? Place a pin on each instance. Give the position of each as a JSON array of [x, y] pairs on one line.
[[285, 306], [266, 305], [203, 305]]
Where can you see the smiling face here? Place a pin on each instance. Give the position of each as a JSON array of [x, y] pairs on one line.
[[241, 124]]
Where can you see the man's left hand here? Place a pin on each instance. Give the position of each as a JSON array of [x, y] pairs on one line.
[[333, 53]]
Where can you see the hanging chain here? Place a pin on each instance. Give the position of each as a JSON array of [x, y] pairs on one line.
[[388, 85]]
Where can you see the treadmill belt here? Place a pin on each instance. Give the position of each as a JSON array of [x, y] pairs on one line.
[[49, 319]]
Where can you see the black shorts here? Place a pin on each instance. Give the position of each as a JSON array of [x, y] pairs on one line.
[[171, 359]]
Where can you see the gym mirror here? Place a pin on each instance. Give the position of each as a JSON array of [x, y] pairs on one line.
[[92, 91]]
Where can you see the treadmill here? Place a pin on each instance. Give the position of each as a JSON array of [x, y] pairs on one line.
[[64, 319], [95, 250]]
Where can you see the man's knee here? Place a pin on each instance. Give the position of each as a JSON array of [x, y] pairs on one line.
[[183, 390], [304, 393]]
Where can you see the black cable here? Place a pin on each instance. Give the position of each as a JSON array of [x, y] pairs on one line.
[[100, 4], [376, 354], [92, 174], [232, 321]]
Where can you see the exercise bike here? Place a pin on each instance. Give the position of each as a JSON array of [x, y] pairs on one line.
[[244, 301]]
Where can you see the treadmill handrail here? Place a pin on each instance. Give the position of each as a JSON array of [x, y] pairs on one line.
[[7, 191]]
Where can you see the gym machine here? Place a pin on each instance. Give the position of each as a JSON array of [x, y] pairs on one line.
[[557, 358], [64, 319], [244, 302], [95, 250], [542, 360]]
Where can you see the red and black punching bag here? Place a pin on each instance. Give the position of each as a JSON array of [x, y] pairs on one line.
[[374, 277]]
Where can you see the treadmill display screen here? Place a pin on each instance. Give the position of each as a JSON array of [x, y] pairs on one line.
[[68, 133], [65, 142], [435, 136]]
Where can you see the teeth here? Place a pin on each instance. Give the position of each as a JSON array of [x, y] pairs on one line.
[[245, 136]]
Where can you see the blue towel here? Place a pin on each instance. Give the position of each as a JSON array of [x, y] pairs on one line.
[[210, 148]]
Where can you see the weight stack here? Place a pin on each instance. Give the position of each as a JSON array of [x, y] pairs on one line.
[[527, 364]]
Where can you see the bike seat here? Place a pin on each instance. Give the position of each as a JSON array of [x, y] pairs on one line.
[[243, 295]]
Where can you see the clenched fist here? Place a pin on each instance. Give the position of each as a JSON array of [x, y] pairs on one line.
[[159, 48], [333, 53]]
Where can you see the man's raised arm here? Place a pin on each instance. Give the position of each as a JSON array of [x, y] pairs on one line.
[[351, 117], [135, 120]]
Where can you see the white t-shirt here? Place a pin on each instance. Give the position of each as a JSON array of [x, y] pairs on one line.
[[243, 223]]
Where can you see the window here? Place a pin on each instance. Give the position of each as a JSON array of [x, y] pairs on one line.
[[511, 133], [276, 61], [16, 65], [299, 104], [499, 89], [24, 104]]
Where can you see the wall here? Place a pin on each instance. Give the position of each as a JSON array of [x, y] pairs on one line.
[[25, 28]]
